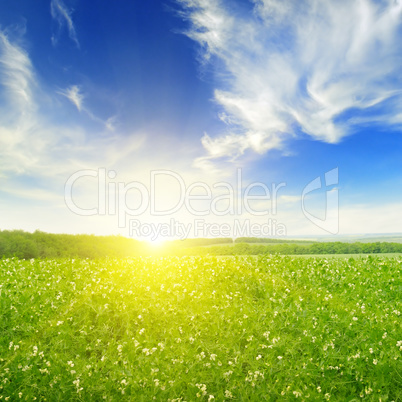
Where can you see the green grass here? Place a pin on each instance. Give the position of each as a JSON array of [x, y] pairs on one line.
[[201, 328], [354, 256]]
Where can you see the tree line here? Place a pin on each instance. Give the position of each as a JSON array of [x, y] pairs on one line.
[[296, 249], [18, 243], [267, 240]]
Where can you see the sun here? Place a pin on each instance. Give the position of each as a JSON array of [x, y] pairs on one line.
[[158, 242]]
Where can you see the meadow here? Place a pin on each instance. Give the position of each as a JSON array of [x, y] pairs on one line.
[[201, 328]]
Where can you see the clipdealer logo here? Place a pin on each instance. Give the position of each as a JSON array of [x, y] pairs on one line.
[[112, 196], [330, 222], [219, 199]]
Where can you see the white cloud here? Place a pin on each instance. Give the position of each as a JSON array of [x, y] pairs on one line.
[[62, 15], [305, 65], [111, 123], [16, 73], [74, 94], [36, 144], [76, 97], [39, 150]]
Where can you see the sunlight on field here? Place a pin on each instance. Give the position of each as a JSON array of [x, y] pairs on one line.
[[201, 328], [157, 243]]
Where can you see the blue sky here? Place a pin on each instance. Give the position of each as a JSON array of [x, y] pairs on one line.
[[283, 91]]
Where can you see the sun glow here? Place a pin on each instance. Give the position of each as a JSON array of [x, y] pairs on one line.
[[158, 242]]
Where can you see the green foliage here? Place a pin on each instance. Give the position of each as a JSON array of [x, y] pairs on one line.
[[18, 243], [297, 249], [200, 242], [267, 240], [45, 245], [200, 328]]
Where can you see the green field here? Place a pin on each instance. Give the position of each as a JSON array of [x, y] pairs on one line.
[[201, 328], [354, 256]]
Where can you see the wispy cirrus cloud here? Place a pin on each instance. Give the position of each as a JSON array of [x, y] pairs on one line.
[[35, 144], [62, 15], [74, 94], [39, 150], [16, 72], [25, 136], [312, 66]]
